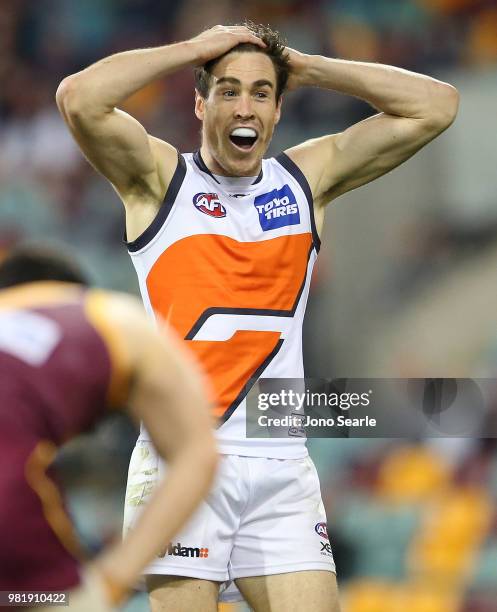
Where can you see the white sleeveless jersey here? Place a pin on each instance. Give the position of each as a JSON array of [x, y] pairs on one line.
[[230, 270]]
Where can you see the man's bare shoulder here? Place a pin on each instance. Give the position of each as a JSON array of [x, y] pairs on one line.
[[312, 157], [151, 189], [142, 202], [166, 159]]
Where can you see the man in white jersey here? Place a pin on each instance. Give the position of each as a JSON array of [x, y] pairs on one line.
[[223, 243]]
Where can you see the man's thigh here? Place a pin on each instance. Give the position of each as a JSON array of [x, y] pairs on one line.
[[283, 529], [314, 590], [178, 594], [201, 550]]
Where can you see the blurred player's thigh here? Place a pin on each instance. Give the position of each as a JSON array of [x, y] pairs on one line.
[[314, 590], [167, 593]]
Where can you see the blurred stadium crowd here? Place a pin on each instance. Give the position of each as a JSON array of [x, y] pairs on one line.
[[413, 524]]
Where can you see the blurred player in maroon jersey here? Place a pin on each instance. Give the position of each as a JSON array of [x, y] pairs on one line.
[[67, 354]]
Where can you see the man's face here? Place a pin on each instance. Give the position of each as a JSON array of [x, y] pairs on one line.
[[239, 114]]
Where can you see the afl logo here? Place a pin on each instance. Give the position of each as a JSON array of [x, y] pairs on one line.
[[209, 204], [322, 530]]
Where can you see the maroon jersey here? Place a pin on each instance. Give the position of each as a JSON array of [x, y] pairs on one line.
[[60, 369]]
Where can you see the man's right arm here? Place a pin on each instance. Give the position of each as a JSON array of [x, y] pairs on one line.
[[115, 143], [138, 166]]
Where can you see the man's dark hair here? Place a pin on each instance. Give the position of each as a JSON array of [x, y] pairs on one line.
[[27, 264], [275, 50]]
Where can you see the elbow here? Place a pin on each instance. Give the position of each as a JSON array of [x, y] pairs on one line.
[[67, 96], [443, 108], [449, 105], [76, 99]]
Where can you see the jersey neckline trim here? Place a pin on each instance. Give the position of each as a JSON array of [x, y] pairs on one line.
[[291, 167], [197, 158], [153, 229]]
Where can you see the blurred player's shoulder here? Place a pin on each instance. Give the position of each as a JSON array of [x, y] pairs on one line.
[[110, 305], [118, 306], [40, 294], [127, 313], [118, 314], [111, 315]]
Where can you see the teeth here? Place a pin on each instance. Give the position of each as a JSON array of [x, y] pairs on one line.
[[243, 131]]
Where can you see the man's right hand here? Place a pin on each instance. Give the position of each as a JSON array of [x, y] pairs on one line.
[[139, 166], [219, 40]]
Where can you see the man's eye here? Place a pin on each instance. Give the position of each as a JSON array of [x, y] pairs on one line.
[[261, 94], [229, 93]]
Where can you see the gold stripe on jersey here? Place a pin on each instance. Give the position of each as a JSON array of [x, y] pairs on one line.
[[96, 308], [40, 295]]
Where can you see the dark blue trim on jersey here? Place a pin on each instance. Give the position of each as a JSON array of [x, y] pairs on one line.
[[291, 167], [215, 310], [172, 191], [254, 378], [259, 178], [197, 158]]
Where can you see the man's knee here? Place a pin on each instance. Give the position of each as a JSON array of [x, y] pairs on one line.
[[181, 594]]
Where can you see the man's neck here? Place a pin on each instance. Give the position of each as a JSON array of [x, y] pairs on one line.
[[216, 168]]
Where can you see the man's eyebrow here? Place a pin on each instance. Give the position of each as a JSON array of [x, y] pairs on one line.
[[263, 83], [228, 80], [235, 81]]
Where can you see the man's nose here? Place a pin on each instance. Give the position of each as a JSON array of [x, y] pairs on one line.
[[244, 108]]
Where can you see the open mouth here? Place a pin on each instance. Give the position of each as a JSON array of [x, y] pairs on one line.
[[243, 138]]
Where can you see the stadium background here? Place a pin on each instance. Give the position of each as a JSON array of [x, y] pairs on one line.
[[405, 286]]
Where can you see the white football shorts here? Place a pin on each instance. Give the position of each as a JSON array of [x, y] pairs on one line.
[[262, 517]]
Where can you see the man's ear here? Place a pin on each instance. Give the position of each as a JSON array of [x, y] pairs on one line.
[[199, 106]]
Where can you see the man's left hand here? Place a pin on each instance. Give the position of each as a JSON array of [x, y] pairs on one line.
[[299, 66]]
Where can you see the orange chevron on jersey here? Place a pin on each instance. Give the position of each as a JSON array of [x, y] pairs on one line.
[[229, 277]]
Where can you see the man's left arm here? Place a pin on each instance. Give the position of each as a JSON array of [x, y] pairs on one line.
[[414, 109]]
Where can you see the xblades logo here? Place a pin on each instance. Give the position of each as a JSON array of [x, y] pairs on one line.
[[326, 548], [185, 551]]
